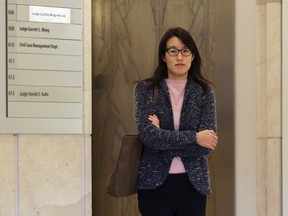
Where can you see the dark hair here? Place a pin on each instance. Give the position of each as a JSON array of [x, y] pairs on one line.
[[194, 73]]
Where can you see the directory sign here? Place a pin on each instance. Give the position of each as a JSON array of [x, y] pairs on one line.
[[43, 68]]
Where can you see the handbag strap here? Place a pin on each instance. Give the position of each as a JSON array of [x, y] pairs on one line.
[[155, 94]]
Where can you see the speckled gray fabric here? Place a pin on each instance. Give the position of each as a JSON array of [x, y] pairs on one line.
[[162, 144]]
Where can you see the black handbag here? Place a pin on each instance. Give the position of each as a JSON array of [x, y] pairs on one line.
[[123, 180]]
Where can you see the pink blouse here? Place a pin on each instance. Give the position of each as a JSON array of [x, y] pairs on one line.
[[176, 90]]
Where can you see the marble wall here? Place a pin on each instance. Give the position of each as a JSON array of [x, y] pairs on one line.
[[45, 175], [268, 108]]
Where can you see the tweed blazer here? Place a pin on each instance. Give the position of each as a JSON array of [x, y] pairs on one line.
[[162, 144]]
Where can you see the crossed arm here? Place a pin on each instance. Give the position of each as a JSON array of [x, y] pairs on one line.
[[205, 138]]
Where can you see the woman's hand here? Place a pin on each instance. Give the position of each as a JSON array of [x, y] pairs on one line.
[[154, 120], [207, 139]]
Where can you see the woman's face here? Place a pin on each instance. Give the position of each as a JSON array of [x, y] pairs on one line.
[[180, 62]]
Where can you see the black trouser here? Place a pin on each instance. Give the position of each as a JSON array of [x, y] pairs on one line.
[[176, 197]]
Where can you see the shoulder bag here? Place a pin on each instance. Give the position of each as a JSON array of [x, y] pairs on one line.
[[122, 181]]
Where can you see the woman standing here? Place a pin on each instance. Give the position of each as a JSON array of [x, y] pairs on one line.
[[177, 126]]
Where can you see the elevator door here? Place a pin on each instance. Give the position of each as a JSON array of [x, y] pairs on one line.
[[125, 40]]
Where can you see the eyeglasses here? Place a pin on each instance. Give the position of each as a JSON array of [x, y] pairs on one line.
[[174, 52]]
